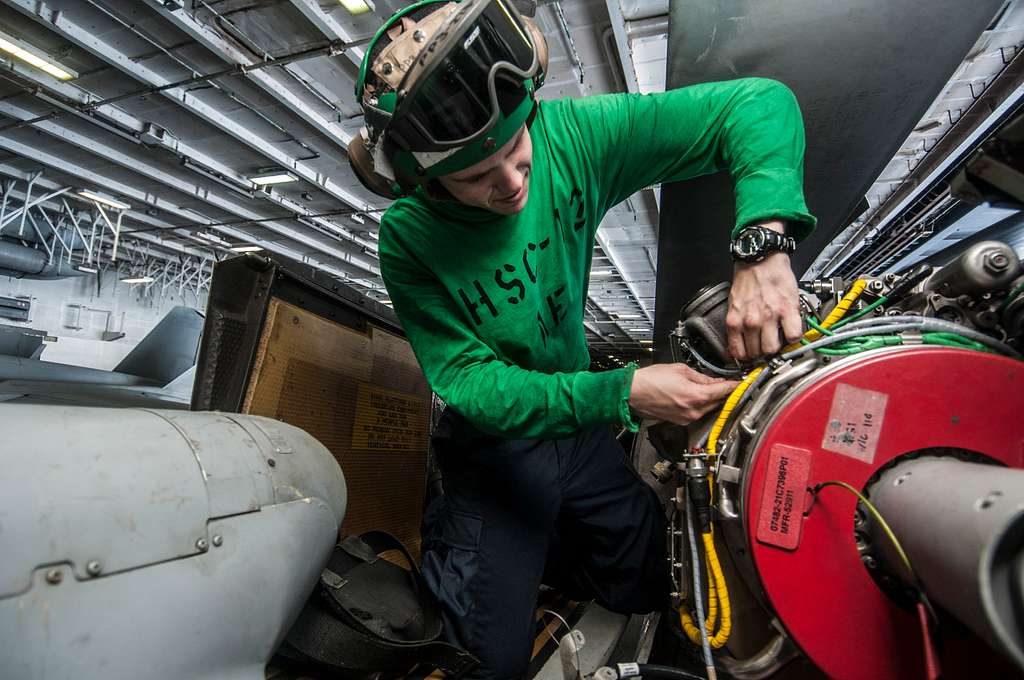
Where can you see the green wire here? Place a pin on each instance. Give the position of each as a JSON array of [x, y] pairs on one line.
[[890, 535], [867, 310], [1012, 296], [813, 323]]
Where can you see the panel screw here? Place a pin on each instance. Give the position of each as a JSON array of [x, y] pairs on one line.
[[218, 540], [202, 545], [54, 576], [271, 462], [387, 68], [93, 568], [419, 36]]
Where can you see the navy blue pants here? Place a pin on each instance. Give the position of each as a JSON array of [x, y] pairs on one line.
[[512, 507]]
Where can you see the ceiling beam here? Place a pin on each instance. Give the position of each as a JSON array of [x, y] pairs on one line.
[[82, 36], [135, 127], [193, 216], [270, 83], [154, 172], [326, 24]]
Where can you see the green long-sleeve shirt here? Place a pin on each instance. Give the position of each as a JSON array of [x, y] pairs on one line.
[[493, 305]]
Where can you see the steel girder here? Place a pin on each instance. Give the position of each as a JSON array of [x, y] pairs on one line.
[[153, 172], [198, 219], [81, 36], [134, 127]]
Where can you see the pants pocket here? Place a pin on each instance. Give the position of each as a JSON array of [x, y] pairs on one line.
[[451, 559]]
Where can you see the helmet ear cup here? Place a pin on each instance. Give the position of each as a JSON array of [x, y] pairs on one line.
[[361, 161], [540, 43]]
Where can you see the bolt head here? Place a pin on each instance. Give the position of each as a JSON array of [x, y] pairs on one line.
[[54, 576], [869, 561], [419, 36], [93, 568], [387, 68], [202, 545], [995, 263], [218, 540]]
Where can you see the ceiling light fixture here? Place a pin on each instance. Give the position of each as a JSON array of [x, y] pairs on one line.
[[628, 316], [138, 279], [357, 7], [211, 238], [30, 55], [275, 178], [246, 249], [109, 202], [602, 272], [357, 218], [86, 269]]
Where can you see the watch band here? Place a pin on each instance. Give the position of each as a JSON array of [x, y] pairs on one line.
[[756, 242]]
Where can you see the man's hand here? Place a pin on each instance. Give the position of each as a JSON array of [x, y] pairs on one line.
[[676, 393], [764, 296]]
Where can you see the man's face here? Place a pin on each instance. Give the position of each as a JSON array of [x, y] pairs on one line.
[[499, 183]]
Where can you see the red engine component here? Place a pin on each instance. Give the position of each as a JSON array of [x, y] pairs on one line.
[[845, 425]]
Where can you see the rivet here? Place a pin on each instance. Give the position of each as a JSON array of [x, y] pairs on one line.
[[54, 576], [202, 545], [93, 568], [218, 540], [271, 462], [419, 36]]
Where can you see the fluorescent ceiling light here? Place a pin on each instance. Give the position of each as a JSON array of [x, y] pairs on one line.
[[103, 199], [30, 55], [276, 178], [647, 342], [602, 272], [357, 7], [640, 330], [373, 235], [629, 316], [246, 249], [87, 269], [138, 279], [357, 218], [211, 238]]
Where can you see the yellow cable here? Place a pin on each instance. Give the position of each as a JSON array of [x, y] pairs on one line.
[[725, 628], [730, 404], [718, 601], [837, 313]]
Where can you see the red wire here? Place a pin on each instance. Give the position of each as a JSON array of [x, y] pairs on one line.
[[931, 657]]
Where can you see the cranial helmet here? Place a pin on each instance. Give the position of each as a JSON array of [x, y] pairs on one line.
[[443, 85]]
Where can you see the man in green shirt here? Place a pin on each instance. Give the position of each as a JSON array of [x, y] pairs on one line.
[[486, 257]]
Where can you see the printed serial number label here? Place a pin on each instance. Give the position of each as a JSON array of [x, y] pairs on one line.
[[855, 422], [782, 500]]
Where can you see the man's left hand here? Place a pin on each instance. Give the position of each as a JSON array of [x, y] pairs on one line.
[[763, 297]]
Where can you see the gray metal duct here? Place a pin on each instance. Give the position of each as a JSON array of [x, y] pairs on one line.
[[24, 262], [864, 71], [962, 526]]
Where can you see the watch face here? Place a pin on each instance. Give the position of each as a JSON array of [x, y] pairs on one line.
[[749, 242]]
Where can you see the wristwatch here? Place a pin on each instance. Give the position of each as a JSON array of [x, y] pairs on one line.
[[755, 243]]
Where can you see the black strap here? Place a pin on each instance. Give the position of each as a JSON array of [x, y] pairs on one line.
[[329, 632], [320, 636]]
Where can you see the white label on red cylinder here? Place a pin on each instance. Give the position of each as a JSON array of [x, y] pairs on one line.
[[783, 498], [855, 422]]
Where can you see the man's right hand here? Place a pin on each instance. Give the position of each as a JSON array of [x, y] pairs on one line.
[[676, 393]]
